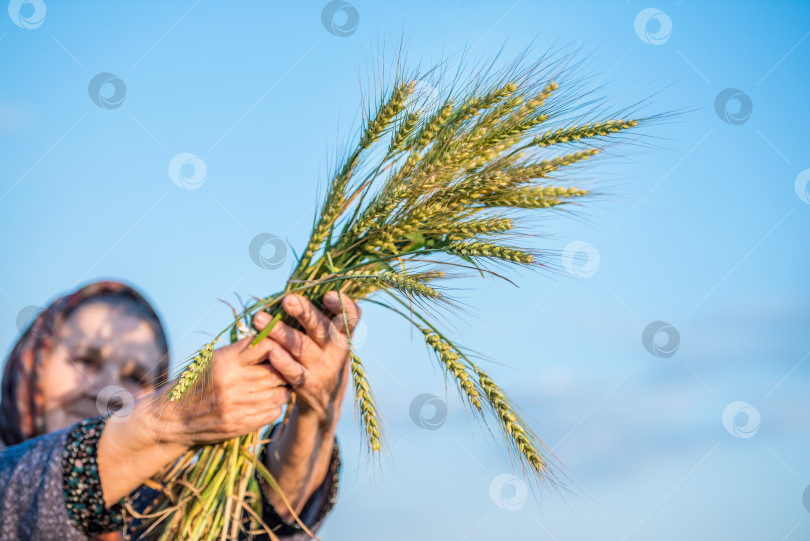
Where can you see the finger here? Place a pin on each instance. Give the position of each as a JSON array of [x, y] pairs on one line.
[[270, 404], [255, 354], [313, 320], [291, 370], [268, 416], [298, 344], [262, 376], [261, 319], [269, 398], [340, 304]]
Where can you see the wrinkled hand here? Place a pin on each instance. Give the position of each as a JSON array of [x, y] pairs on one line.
[[316, 364], [236, 395]]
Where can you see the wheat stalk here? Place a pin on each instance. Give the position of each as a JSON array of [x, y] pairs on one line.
[[428, 187]]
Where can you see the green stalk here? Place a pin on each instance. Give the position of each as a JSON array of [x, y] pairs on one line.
[[442, 194], [263, 334]]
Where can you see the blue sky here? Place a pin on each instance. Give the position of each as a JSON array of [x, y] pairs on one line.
[[704, 233]]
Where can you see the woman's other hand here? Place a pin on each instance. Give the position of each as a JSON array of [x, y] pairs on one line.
[[315, 363]]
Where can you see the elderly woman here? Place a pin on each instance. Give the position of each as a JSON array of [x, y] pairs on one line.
[[66, 469]]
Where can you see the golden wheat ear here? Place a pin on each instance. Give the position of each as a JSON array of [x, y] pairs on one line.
[[433, 186]]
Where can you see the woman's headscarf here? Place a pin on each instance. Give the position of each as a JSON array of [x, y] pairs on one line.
[[22, 414]]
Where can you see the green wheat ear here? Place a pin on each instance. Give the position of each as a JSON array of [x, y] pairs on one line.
[[366, 406], [453, 365], [187, 380], [426, 192], [511, 423], [487, 250]]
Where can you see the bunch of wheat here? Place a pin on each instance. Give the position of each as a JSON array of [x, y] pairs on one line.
[[432, 185]]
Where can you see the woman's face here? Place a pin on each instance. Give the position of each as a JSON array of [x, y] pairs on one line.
[[104, 357]]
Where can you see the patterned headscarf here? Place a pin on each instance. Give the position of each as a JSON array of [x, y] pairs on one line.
[[22, 414]]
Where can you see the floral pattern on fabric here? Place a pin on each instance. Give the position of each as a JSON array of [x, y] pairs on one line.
[[82, 486], [317, 506]]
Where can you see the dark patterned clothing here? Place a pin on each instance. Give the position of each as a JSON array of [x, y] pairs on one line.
[[316, 508], [51, 490], [81, 483]]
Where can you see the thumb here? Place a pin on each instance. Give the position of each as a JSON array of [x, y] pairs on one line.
[[256, 354]]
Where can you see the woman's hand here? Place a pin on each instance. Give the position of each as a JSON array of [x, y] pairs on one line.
[[236, 395], [315, 363], [239, 393]]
